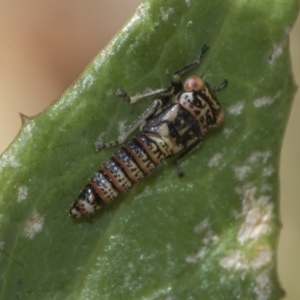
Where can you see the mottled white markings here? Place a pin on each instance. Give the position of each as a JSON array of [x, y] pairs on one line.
[[268, 171], [215, 160], [100, 139], [262, 257], [201, 226], [166, 13], [22, 193], [88, 80], [237, 260], [263, 101], [28, 125], [258, 155], [256, 224], [195, 257], [241, 172], [209, 239], [189, 23], [266, 188], [257, 219], [246, 192], [278, 49], [10, 160], [234, 260], [33, 225], [189, 186], [258, 212], [263, 286], [227, 132], [236, 108], [188, 2]]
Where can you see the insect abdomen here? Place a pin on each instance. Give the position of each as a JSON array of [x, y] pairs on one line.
[[129, 165]]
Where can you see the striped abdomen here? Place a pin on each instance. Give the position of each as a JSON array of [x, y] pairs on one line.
[[129, 165]]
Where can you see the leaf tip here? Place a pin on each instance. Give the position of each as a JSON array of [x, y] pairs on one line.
[[24, 118]]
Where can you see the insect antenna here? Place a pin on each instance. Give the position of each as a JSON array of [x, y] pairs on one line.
[[202, 75]]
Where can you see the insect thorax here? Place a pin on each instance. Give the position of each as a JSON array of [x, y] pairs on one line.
[[202, 105]]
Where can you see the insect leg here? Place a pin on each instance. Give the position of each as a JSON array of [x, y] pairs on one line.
[[193, 64], [176, 77], [149, 112], [165, 92], [185, 152], [220, 86]]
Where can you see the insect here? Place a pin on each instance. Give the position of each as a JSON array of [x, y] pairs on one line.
[[166, 130]]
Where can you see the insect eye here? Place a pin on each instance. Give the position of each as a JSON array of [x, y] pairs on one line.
[[194, 83]]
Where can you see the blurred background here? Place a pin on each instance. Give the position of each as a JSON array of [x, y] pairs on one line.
[[46, 44]]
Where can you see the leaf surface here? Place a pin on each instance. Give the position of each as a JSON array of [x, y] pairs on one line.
[[210, 235]]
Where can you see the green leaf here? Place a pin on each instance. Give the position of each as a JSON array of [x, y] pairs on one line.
[[209, 235]]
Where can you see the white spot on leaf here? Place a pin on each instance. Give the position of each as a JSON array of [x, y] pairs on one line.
[[209, 239], [258, 212], [22, 193], [100, 140], [268, 171], [227, 132], [215, 160], [166, 13], [264, 101], [256, 224], [33, 225], [241, 172], [88, 81], [278, 49], [257, 155], [201, 226], [236, 108], [237, 260], [195, 257], [234, 260], [266, 188], [263, 286], [262, 257], [10, 160]]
